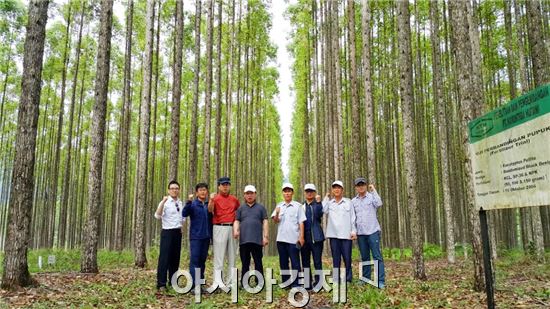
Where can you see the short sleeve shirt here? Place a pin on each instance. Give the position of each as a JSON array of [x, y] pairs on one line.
[[224, 208], [290, 216], [251, 220]]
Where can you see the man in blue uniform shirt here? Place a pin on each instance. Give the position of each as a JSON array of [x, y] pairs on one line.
[[199, 230], [313, 234]]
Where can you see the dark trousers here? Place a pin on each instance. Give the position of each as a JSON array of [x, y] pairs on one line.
[[289, 251], [341, 248], [315, 249], [251, 250], [199, 253], [367, 244], [169, 256]]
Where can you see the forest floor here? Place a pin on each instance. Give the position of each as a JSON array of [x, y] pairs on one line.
[[521, 283]]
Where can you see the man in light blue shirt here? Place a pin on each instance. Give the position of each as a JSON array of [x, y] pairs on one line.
[[341, 229], [368, 229], [290, 216]]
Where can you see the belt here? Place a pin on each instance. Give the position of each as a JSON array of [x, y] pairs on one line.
[[224, 224]]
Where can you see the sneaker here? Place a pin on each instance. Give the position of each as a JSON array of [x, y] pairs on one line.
[[381, 286], [161, 290]]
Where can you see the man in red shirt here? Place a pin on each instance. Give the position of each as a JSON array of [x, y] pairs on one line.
[[223, 207]]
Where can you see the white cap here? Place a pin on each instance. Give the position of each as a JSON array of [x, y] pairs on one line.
[[249, 188], [310, 186], [287, 185], [338, 183]]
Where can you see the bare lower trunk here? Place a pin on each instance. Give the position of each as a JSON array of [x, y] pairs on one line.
[[439, 102], [406, 89], [122, 173], [468, 98], [88, 263], [139, 243], [16, 271]]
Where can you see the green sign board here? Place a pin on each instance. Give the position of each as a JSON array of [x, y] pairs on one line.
[[516, 112], [510, 153]]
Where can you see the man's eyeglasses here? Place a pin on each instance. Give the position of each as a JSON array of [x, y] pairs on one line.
[[174, 188]]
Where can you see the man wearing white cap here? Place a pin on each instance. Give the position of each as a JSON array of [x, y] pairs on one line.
[[341, 229], [313, 234], [251, 228], [290, 216]]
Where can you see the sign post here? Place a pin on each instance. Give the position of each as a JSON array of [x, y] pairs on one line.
[[489, 286], [510, 155]]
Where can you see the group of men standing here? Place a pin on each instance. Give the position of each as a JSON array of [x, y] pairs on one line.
[[300, 234]]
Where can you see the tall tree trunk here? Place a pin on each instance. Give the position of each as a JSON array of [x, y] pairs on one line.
[[176, 94], [218, 133], [193, 139], [439, 102], [367, 87], [145, 118], [355, 119], [540, 59], [149, 205], [406, 89], [72, 108], [16, 272], [208, 93], [121, 178], [468, 96], [88, 263], [63, 210], [337, 84], [526, 226], [229, 92]]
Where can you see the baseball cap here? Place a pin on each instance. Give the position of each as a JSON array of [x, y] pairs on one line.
[[249, 188], [288, 185], [223, 180]]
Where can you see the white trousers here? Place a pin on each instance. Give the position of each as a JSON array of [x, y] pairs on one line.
[[223, 245]]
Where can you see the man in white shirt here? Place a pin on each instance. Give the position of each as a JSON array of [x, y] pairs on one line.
[[341, 228], [169, 211], [290, 216]]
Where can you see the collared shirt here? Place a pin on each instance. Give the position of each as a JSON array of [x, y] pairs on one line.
[[225, 207], [365, 210], [197, 211], [171, 216], [251, 218], [290, 216], [341, 218]]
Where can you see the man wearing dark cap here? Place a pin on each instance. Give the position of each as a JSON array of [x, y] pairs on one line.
[[366, 203], [223, 207]]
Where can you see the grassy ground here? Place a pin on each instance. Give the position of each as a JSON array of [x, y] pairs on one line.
[[520, 283]]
